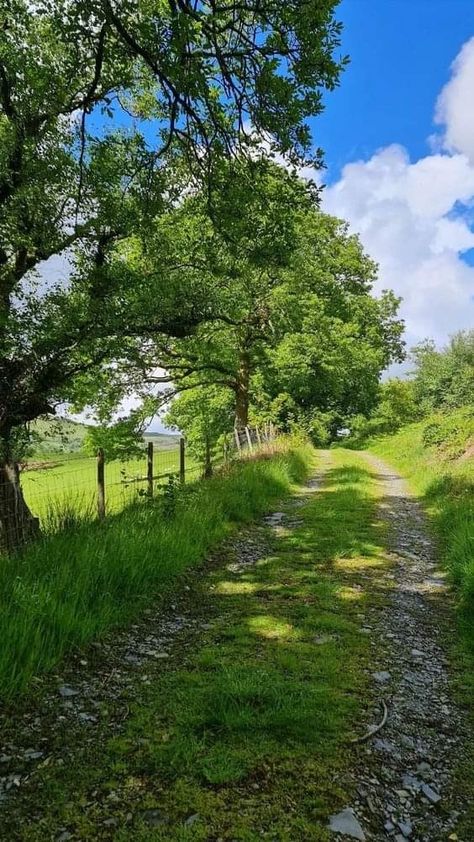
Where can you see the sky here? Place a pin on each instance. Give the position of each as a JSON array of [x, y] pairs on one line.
[[398, 136]]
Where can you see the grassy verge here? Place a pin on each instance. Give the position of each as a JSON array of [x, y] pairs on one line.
[[71, 587], [446, 486], [242, 733]]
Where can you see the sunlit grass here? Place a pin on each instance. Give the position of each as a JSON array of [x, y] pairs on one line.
[[70, 587]]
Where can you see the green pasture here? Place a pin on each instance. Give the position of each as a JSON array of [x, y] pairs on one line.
[[66, 484]]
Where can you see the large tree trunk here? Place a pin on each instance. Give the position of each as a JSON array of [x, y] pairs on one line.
[[18, 526], [242, 391]]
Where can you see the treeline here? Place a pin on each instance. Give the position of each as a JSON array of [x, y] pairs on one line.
[[440, 387]]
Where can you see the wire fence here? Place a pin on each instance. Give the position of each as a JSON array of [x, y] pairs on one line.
[[70, 487]]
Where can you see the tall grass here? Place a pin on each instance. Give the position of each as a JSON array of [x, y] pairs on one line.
[[446, 486], [73, 585]]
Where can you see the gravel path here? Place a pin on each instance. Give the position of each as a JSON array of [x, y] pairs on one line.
[[404, 774]]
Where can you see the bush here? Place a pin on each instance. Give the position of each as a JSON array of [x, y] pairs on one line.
[[450, 434]]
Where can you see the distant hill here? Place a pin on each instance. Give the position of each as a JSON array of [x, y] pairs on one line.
[[57, 435], [62, 435], [163, 441]]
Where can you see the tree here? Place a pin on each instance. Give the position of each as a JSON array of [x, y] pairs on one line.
[[444, 377], [205, 415], [297, 327], [95, 97]]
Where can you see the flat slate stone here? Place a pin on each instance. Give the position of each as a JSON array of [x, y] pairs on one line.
[[381, 676], [346, 822]]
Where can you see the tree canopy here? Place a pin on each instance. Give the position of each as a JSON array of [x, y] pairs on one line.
[[109, 109], [291, 319]]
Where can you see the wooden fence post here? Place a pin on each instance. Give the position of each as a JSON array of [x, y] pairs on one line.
[[149, 468], [101, 483], [208, 460], [182, 461], [237, 439], [257, 431], [249, 439]]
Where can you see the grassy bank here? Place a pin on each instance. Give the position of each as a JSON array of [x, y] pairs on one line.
[[241, 734], [442, 475], [71, 587]]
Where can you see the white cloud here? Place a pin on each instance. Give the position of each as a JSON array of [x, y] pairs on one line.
[[413, 217], [455, 105]]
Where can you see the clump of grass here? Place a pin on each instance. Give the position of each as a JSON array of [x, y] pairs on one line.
[[75, 584]]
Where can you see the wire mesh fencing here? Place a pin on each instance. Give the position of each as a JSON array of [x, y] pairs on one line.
[[58, 492], [74, 487]]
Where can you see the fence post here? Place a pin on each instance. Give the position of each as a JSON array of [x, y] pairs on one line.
[[182, 461], [149, 467], [257, 431], [237, 439], [101, 483], [249, 438], [208, 460]]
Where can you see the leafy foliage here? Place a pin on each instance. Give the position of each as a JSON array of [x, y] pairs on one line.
[[445, 378], [292, 327]]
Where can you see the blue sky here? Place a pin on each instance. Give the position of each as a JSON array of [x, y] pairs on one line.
[[400, 51], [398, 136]]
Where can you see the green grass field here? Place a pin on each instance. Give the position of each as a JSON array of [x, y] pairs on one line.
[[65, 486]]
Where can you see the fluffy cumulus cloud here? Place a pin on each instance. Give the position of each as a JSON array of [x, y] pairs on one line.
[[414, 218]]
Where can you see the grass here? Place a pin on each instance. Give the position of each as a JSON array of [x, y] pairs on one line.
[[242, 733], [67, 486], [72, 586]]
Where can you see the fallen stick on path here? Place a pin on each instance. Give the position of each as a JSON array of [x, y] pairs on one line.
[[372, 731]]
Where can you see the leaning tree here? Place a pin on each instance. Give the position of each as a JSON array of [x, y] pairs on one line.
[[95, 97]]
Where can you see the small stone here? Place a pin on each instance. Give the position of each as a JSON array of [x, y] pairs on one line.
[[406, 828], [382, 677], [410, 782], [64, 836], [110, 823], [87, 717], [430, 794], [417, 653], [323, 638], [425, 771], [453, 837], [389, 826], [32, 754], [192, 820], [154, 818], [346, 823], [67, 692]]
